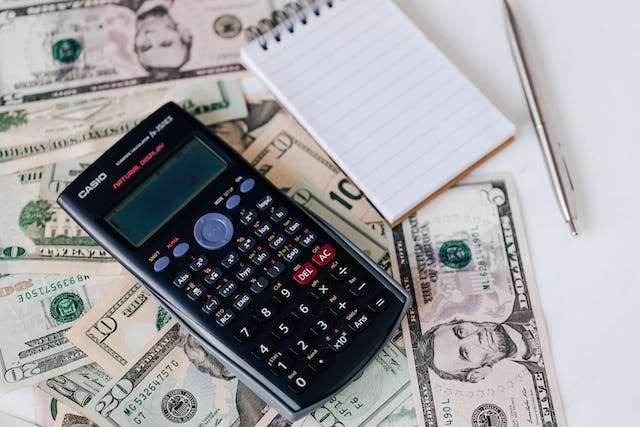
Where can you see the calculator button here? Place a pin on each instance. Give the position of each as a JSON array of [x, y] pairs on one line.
[[196, 292], [280, 365], [340, 341], [360, 288], [321, 325], [275, 269], [160, 264], [246, 332], [359, 322], [198, 263], [228, 289], [259, 285], [341, 306], [283, 329], [230, 259], [242, 301], [308, 239], [248, 217], [224, 317], [321, 361], [244, 273], [247, 185], [283, 293], [305, 273], [264, 349], [379, 303], [264, 203], [180, 249], [232, 202], [302, 346], [182, 279], [299, 383], [246, 244], [279, 214], [324, 255], [293, 227], [323, 290], [211, 304], [302, 310], [213, 230], [264, 313], [263, 229], [292, 253], [277, 242], [213, 277], [261, 257], [341, 272]]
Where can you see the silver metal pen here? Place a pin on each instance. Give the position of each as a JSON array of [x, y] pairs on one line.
[[556, 164]]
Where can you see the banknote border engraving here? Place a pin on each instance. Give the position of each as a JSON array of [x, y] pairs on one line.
[[521, 290]]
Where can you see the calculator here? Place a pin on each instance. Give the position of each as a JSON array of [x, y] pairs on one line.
[[286, 302]]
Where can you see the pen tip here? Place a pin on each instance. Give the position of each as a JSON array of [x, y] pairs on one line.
[[573, 226]]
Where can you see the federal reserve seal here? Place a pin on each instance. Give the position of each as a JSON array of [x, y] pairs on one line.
[[179, 405], [227, 26], [488, 415], [455, 254], [66, 307], [66, 50]]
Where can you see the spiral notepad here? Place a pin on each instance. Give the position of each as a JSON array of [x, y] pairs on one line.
[[390, 109]]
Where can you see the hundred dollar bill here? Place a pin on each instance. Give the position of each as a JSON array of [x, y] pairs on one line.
[[474, 333], [35, 312], [285, 153], [51, 131], [76, 388], [119, 326], [36, 235], [175, 381], [60, 49], [381, 387]]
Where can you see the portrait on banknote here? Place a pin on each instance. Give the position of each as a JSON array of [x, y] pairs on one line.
[[161, 44], [474, 331]]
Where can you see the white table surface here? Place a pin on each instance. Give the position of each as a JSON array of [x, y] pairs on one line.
[[586, 62]]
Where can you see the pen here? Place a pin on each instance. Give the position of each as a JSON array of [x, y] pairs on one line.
[[556, 164]]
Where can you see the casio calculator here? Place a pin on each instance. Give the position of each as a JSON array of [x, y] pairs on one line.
[[287, 303]]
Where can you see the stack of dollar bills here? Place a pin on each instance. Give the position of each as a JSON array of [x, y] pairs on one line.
[[79, 331]]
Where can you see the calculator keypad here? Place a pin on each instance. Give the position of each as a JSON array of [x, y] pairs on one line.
[[295, 301]]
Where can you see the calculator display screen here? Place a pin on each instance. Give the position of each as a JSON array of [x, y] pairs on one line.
[[158, 198]]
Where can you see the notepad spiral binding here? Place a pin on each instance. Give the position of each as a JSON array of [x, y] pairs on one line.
[[292, 12]]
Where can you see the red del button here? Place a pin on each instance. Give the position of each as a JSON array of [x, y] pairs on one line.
[[305, 273], [324, 255]]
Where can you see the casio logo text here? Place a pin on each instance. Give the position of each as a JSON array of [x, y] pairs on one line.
[[92, 185]]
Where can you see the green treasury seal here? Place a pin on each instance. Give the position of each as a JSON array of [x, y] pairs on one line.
[[66, 307], [66, 50], [455, 254]]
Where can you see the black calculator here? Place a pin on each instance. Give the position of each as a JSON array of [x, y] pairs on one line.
[[286, 302]]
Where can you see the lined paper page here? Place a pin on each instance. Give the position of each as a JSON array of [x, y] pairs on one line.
[[390, 109]]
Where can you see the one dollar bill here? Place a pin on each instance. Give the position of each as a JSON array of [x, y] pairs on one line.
[[475, 335], [35, 312]]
